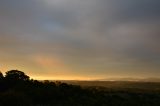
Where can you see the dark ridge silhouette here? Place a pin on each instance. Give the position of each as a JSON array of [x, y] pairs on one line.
[[17, 89]]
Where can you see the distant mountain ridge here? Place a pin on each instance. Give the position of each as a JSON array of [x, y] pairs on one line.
[[132, 79]]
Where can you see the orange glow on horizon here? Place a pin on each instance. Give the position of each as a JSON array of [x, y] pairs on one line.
[[61, 78]]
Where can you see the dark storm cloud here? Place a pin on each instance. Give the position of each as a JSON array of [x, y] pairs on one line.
[[99, 33]]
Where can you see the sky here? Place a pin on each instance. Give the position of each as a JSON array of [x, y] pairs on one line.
[[81, 39]]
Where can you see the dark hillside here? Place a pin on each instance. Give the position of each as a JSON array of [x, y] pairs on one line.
[[17, 89]]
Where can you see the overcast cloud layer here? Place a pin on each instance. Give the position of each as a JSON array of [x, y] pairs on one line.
[[81, 39]]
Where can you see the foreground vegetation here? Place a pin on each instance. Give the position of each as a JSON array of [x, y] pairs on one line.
[[17, 89]]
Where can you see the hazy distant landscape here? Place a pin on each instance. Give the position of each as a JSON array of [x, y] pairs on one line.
[[119, 85]]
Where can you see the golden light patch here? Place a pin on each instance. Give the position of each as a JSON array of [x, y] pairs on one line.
[[48, 61], [51, 64]]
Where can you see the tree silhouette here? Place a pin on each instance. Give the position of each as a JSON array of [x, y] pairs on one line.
[[16, 75], [2, 86], [1, 76]]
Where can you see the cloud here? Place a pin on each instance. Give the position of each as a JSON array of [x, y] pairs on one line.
[[85, 35]]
